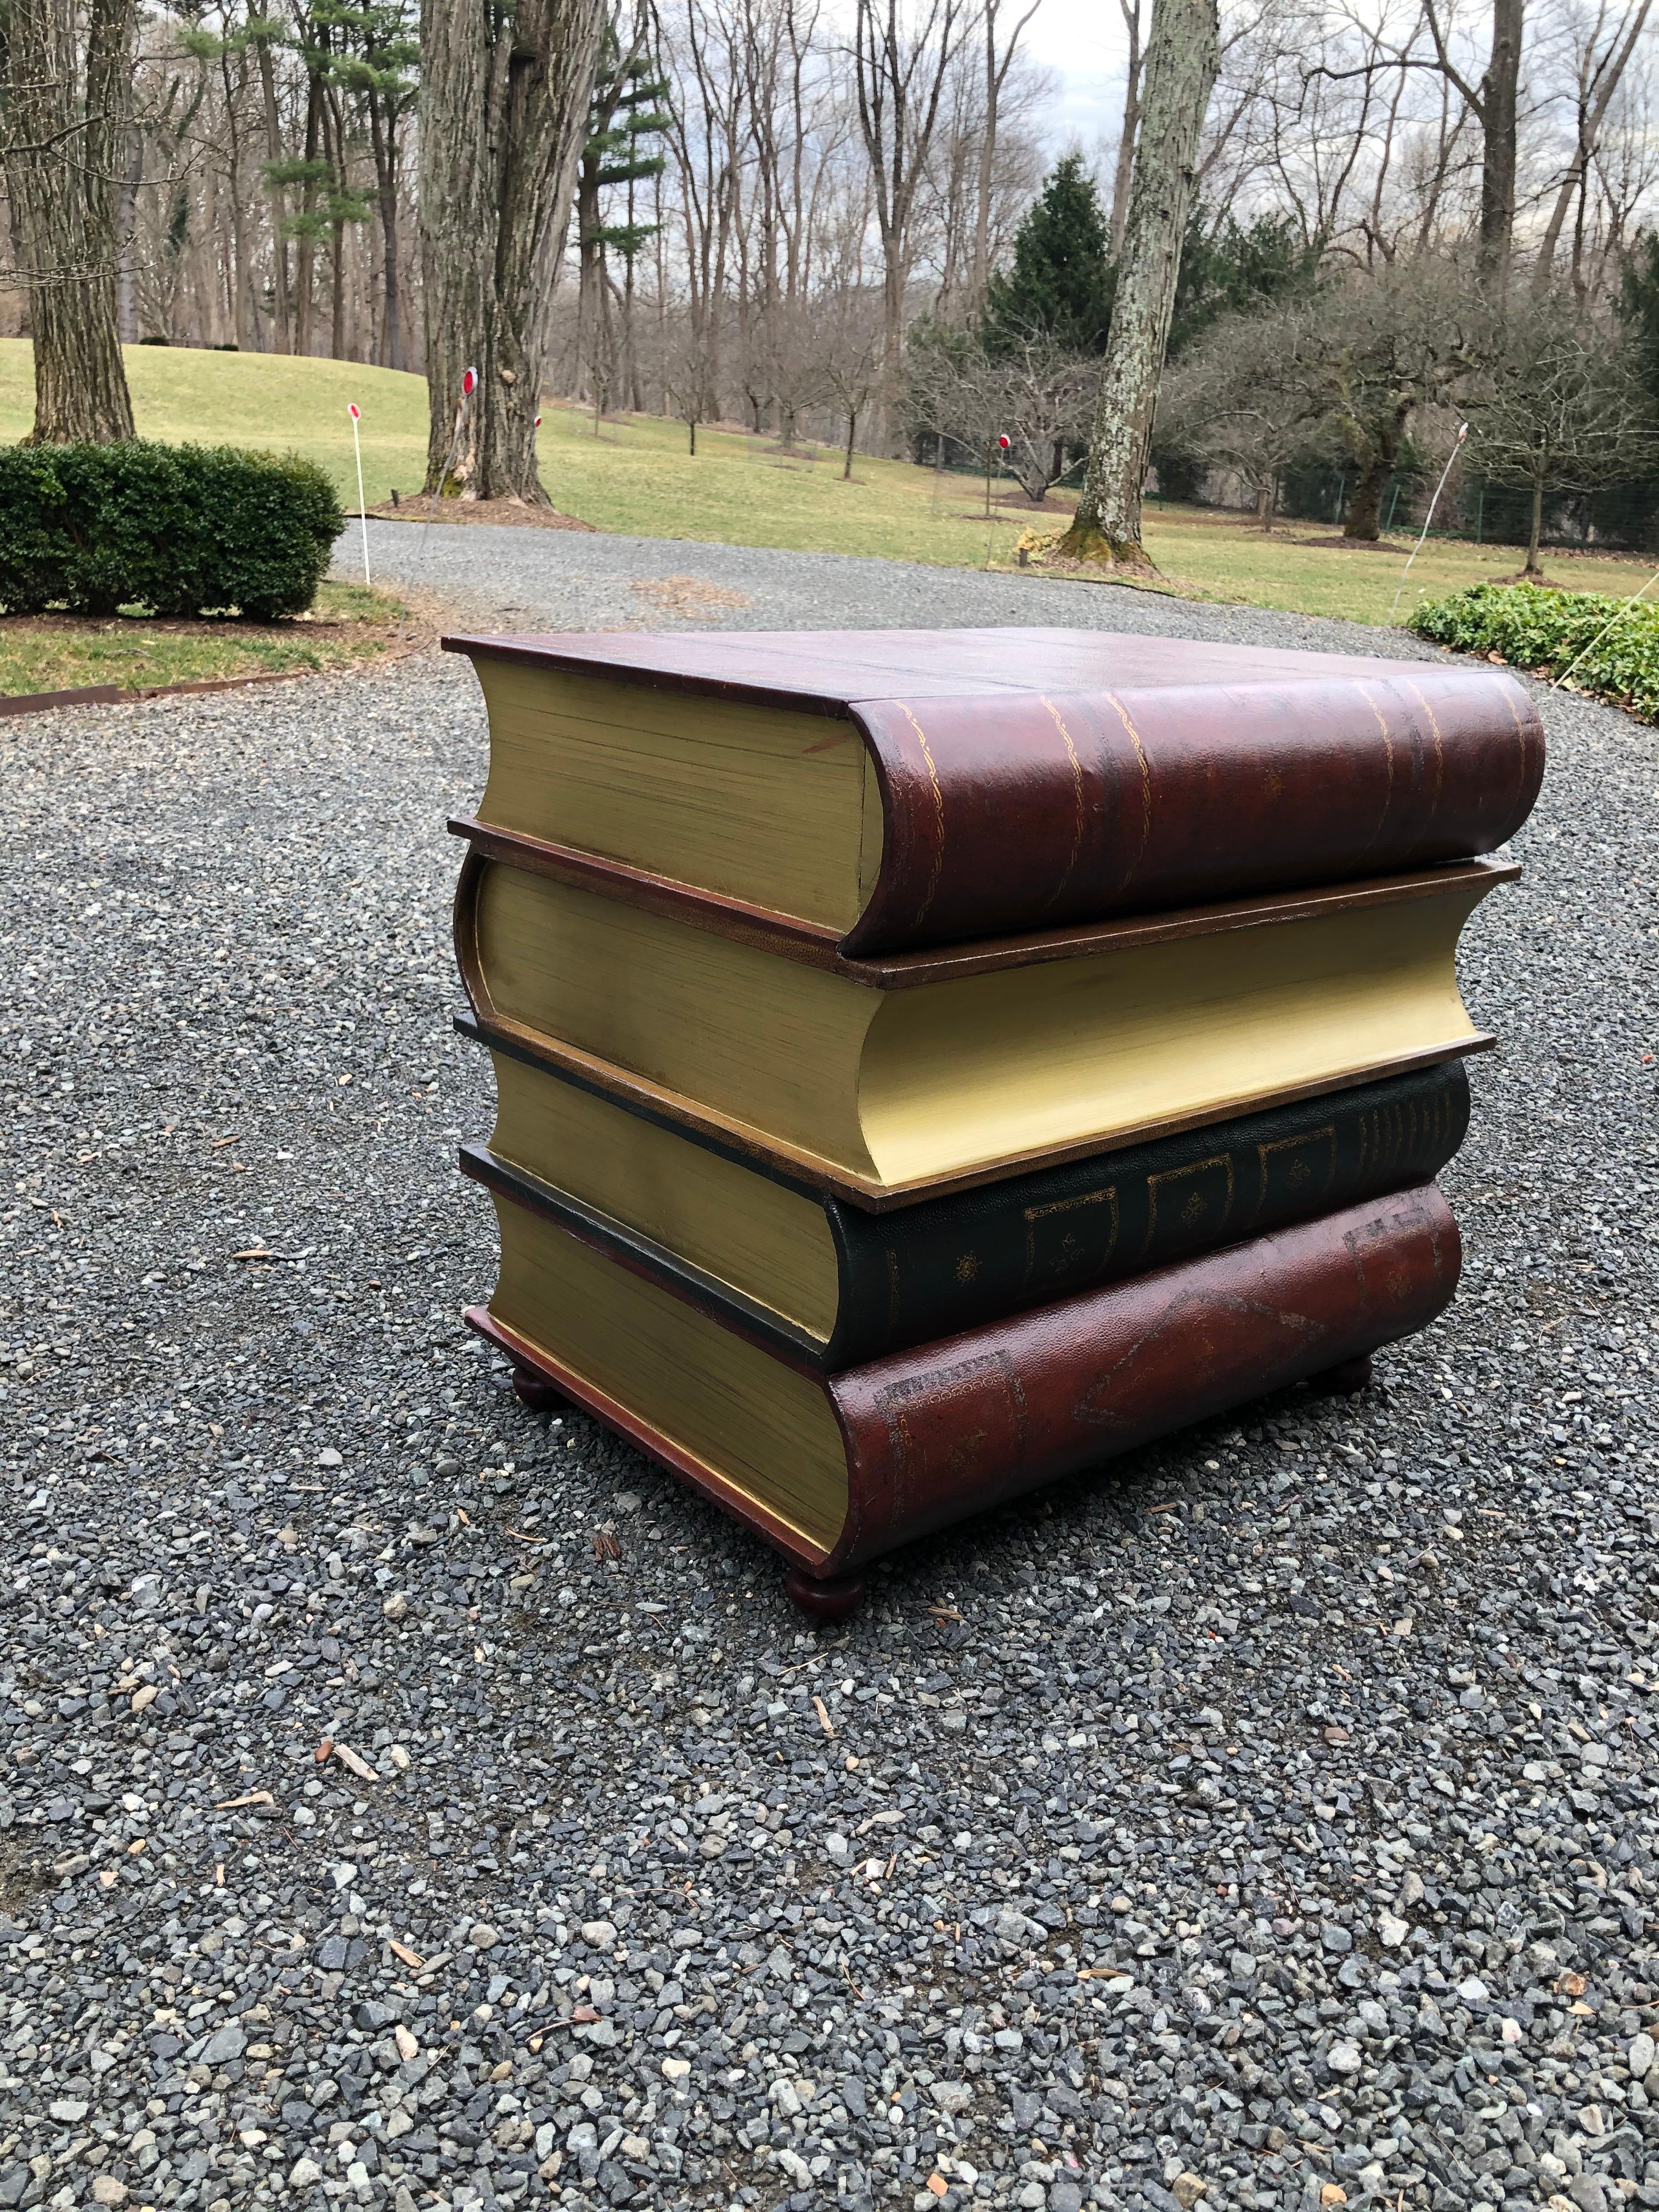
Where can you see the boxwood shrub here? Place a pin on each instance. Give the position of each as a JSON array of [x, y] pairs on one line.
[[177, 530], [1543, 631]]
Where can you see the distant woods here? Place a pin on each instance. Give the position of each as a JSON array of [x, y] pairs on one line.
[[845, 225]]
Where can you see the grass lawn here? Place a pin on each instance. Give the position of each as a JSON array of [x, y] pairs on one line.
[[69, 652], [184, 396], [638, 478]]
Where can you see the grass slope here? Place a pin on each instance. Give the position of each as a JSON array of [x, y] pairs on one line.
[[637, 478], [182, 396]]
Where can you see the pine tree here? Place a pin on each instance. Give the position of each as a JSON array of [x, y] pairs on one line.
[[1061, 284], [625, 110]]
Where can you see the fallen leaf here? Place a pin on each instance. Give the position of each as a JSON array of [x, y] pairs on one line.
[[824, 1721], [355, 1762], [1333, 2192], [412, 1960], [943, 1612], [584, 2016], [253, 1797], [605, 1546], [1569, 1985]]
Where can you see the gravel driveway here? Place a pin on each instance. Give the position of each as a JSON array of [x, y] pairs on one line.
[[1274, 1812]]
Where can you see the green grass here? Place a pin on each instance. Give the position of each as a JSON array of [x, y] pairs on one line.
[[637, 478], [69, 652], [265, 400]]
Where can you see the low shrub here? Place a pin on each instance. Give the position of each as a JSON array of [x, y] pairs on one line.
[[179, 530], [1544, 632]]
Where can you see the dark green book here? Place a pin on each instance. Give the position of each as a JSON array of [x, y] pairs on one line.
[[834, 1285]]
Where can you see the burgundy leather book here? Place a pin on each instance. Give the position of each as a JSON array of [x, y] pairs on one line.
[[886, 1453], [1027, 779]]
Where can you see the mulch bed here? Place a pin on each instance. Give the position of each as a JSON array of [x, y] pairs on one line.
[[511, 513]]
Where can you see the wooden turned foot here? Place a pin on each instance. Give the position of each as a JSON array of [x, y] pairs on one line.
[[1347, 1378], [535, 1392], [828, 1601]]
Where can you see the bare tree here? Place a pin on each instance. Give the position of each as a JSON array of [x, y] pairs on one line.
[[1601, 70], [1248, 397], [1410, 338], [1123, 168], [998, 62], [63, 112], [1182, 60], [1494, 102], [901, 67], [504, 102], [1566, 412]]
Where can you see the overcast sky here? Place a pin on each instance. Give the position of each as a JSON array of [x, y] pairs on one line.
[[1082, 41]]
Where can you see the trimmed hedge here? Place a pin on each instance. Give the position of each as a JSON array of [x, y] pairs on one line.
[[1542, 631], [179, 530]]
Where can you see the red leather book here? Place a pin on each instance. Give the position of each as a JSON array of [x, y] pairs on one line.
[[835, 1470], [1012, 781]]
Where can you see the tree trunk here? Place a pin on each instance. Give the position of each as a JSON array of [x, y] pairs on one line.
[[852, 435], [988, 157], [1182, 59], [383, 139], [1365, 522], [503, 114], [1497, 115], [1126, 144], [126, 220], [305, 261], [60, 169], [278, 206]]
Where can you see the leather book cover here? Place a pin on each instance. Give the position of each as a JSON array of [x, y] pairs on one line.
[[1031, 780], [986, 1415], [935, 1434], [943, 1266]]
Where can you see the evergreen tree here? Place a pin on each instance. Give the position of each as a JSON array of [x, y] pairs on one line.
[[1236, 270], [1061, 284], [625, 111], [1638, 304]]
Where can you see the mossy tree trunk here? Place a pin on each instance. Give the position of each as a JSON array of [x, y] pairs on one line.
[[64, 122], [504, 98], [1181, 57]]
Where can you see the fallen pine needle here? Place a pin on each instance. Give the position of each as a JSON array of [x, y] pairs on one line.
[[523, 1539]]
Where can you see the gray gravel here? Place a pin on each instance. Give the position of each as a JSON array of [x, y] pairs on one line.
[[1275, 1811]]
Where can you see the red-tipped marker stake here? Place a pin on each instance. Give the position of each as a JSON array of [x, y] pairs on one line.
[[355, 413]]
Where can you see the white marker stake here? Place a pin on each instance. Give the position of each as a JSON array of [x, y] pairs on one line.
[[362, 511], [1457, 443]]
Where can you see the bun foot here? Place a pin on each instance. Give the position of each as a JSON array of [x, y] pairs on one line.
[[826, 1601], [535, 1392], [1347, 1378]]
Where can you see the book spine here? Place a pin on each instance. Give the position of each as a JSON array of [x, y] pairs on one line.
[[955, 1427], [956, 1263], [1035, 812]]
